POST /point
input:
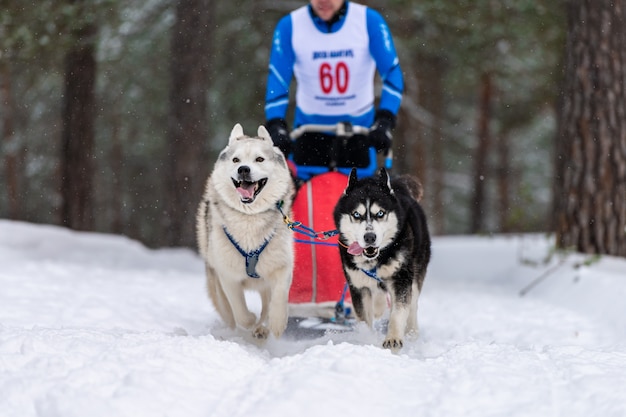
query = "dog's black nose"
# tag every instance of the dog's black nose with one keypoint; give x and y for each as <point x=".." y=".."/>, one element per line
<point x="244" y="170"/>
<point x="370" y="238"/>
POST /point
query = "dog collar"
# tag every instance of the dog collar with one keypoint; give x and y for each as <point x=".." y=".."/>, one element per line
<point x="252" y="257"/>
<point x="372" y="274"/>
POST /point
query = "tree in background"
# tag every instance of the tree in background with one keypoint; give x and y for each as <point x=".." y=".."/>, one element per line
<point x="482" y="152"/>
<point x="10" y="145"/>
<point x="140" y="166"/>
<point x="484" y="73"/>
<point x="29" y="52"/>
<point x="77" y="162"/>
<point x="187" y="122"/>
<point x="591" y="141"/>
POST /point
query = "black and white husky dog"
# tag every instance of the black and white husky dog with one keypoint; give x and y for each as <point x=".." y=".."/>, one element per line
<point x="385" y="249"/>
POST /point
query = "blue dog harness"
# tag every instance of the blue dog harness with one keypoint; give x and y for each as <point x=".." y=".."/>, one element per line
<point x="252" y="257"/>
<point x="372" y="274"/>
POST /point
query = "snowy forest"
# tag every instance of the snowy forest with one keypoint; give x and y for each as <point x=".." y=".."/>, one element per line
<point x="112" y="112"/>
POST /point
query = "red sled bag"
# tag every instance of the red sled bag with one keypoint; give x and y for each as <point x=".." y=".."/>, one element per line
<point x="318" y="275"/>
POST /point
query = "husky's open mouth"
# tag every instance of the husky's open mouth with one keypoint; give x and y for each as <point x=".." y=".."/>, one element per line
<point x="249" y="190"/>
<point x="370" y="252"/>
<point x="356" y="250"/>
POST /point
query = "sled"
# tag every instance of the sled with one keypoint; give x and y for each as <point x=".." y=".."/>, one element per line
<point x="317" y="275"/>
<point x="319" y="301"/>
<point x="313" y="327"/>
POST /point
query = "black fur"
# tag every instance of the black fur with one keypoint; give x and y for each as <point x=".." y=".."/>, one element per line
<point x="412" y="236"/>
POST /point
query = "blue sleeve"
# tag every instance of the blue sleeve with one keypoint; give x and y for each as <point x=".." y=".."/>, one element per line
<point x="280" y="73"/>
<point x="387" y="63"/>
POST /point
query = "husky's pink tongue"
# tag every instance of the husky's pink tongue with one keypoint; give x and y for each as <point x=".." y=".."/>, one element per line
<point x="246" y="192"/>
<point x="355" y="249"/>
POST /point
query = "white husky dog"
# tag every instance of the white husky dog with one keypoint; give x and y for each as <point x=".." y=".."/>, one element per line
<point x="241" y="234"/>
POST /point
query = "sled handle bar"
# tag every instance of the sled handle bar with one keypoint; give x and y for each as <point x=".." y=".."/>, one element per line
<point x="340" y="129"/>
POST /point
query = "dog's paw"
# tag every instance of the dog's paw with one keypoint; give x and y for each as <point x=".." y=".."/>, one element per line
<point x="261" y="333"/>
<point x="393" y="344"/>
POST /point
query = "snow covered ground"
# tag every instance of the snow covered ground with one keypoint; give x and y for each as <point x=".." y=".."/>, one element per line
<point x="98" y="325"/>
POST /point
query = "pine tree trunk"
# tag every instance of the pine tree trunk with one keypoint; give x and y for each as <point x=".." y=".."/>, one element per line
<point x="481" y="154"/>
<point x="116" y="159"/>
<point x="433" y="99"/>
<point x="10" y="145"/>
<point x="410" y="135"/>
<point x="416" y="135"/>
<point x="503" y="179"/>
<point x="188" y="125"/>
<point x="78" y="132"/>
<point x="591" y="142"/>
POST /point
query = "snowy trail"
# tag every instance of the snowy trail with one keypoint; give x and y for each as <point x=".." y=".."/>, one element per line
<point x="99" y="323"/>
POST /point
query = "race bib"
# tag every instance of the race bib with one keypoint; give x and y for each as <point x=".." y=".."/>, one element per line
<point x="334" y="71"/>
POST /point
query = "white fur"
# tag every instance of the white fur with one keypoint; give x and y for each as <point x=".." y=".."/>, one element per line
<point x="250" y="224"/>
<point x="354" y="231"/>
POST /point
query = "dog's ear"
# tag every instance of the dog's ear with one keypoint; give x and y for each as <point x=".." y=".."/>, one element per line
<point x="384" y="180"/>
<point x="235" y="134"/>
<point x="264" y="134"/>
<point x="351" y="181"/>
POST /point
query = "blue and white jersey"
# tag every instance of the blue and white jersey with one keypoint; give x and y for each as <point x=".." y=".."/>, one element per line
<point x="334" y="67"/>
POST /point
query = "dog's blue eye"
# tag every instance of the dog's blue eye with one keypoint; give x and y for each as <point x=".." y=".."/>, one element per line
<point x="380" y="214"/>
<point x="356" y="215"/>
<point x="260" y="159"/>
<point x="236" y="160"/>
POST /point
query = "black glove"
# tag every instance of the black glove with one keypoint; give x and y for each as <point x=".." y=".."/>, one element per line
<point x="279" y="132"/>
<point x="380" y="133"/>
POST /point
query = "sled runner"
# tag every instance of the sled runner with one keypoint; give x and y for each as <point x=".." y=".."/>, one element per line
<point x="300" y="328"/>
<point x="318" y="299"/>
